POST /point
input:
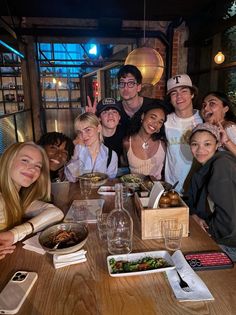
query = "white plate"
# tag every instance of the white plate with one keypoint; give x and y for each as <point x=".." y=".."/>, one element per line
<point x="110" y="190"/>
<point x="136" y="256"/>
<point x="106" y="190"/>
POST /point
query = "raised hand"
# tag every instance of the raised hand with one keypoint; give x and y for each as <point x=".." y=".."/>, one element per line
<point x="223" y="135"/>
<point x="91" y="107"/>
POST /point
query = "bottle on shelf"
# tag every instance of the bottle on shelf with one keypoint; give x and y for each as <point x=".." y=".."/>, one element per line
<point x="119" y="226"/>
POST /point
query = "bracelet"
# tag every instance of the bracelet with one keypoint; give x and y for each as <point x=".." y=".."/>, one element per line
<point x="32" y="226"/>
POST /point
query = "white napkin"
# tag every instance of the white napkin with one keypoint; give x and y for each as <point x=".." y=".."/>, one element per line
<point x="199" y="291"/>
<point x="69" y="259"/>
<point x="32" y="244"/>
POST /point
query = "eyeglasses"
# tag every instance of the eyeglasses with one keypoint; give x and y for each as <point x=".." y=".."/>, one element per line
<point x="130" y="84"/>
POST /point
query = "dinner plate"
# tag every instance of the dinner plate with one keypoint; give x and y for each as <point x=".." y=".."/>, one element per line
<point x="110" y="191"/>
<point x="106" y="190"/>
<point x="137" y="256"/>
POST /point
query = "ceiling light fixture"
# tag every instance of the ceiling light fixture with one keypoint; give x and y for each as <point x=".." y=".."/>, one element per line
<point x="147" y="59"/>
<point x="219" y="58"/>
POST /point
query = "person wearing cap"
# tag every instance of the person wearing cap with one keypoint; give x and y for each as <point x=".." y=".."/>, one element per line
<point x="132" y="103"/>
<point x="178" y="163"/>
<point x="108" y="111"/>
<point x="212" y="197"/>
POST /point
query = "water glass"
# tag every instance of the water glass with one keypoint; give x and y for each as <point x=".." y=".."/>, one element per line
<point x="173" y="231"/>
<point x="85" y="186"/>
<point x="102" y="225"/>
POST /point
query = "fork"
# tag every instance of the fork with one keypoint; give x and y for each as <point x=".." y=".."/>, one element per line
<point x="183" y="284"/>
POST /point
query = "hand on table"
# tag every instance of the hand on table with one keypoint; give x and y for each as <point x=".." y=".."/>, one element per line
<point x="91" y="107"/>
<point x="6" y="241"/>
<point x="201" y="222"/>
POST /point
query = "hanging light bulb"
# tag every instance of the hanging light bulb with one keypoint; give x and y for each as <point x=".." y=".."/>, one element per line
<point x="219" y="58"/>
<point x="146" y="59"/>
<point x="149" y="62"/>
<point x="54" y="80"/>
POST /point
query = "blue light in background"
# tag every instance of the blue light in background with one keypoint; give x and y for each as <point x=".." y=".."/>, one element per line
<point x="93" y="50"/>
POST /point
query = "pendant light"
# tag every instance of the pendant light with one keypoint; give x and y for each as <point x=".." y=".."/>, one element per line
<point x="219" y="58"/>
<point x="147" y="60"/>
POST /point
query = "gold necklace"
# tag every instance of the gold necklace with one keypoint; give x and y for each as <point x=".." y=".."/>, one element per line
<point x="145" y="144"/>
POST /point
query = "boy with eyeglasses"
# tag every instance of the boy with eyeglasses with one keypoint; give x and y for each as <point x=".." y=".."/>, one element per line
<point x="130" y="84"/>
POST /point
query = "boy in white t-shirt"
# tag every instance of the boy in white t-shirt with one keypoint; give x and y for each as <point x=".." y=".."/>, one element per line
<point x="178" y="126"/>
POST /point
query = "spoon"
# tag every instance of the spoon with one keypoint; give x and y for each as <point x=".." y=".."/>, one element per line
<point x="56" y="246"/>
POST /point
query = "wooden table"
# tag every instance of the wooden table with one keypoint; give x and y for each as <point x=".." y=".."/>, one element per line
<point x="87" y="288"/>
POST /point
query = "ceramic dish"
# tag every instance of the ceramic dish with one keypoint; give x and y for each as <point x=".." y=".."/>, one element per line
<point x="63" y="238"/>
<point x="110" y="191"/>
<point x="135" y="257"/>
<point x="132" y="180"/>
<point x="97" y="178"/>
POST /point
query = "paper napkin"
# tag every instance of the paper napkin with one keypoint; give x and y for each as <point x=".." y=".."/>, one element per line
<point x="69" y="259"/>
<point x="199" y="291"/>
<point x="33" y="245"/>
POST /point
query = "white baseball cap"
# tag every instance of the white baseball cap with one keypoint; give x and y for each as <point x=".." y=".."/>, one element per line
<point x="180" y="80"/>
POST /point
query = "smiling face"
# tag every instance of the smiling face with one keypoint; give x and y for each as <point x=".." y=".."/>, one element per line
<point x="57" y="155"/>
<point x="181" y="98"/>
<point x="213" y="109"/>
<point x="153" y="120"/>
<point x="128" y="87"/>
<point x="87" y="133"/>
<point x="203" y="146"/>
<point x="26" y="166"/>
<point x="110" y="118"/>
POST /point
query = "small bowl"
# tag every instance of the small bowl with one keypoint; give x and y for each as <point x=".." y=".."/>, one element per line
<point x="97" y="178"/>
<point x="78" y="238"/>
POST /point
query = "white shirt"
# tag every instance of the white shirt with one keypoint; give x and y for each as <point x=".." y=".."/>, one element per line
<point x="178" y="156"/>
<point x="82" y="163"/>
<point x="40" y="214"/>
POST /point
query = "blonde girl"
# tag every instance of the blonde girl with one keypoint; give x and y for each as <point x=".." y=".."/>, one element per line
<point x="91" y="154"/>
<point x="24" y="190"/>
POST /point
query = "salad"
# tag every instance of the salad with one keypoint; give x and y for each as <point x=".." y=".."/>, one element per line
<point x="146" y="263"/>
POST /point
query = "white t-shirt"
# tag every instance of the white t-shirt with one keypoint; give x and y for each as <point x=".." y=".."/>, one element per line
<point x="178" y="156"/>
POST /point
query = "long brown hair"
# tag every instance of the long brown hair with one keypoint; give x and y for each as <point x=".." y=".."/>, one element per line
<point x="15" y="203"/>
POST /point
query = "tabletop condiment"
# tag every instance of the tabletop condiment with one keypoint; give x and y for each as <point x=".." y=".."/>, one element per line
<point x="174" y="198"/>
<point x="165" y="201"/>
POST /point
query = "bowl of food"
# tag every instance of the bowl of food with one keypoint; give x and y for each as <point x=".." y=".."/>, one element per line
<point x="97" y="179"/>
<point x="64" y="238"/>
<point x="132" y="180"/>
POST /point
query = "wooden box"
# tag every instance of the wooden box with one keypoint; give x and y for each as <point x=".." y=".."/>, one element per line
<point x="152" y="219"/>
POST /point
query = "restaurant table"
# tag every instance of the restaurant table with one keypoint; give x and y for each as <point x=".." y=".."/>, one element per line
<point x="87" y="288"/>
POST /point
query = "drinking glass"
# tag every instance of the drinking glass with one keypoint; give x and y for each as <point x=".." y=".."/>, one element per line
<point x="85" y="186"/>
<point x="102" y="225"/>
<point x="173" y="231"/>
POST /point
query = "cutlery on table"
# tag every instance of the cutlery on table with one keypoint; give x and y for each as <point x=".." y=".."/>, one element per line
<point x="183" y="284"/>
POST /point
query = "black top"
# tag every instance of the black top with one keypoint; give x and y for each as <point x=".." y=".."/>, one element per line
<point x="126" y="119"/>
<point x="115" y="142"/>
<point x="216" y="179"/>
